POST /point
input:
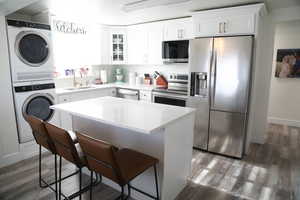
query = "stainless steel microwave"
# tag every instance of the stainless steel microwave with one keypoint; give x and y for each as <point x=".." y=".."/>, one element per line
<point x="175" y="51"/>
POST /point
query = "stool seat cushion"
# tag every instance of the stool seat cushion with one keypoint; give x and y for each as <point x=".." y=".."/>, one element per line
<point x="132" y="163"/>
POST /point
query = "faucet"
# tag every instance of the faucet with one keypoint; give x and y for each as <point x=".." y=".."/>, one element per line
<point x="75" y="83"/>
<point x="83" y="74"/>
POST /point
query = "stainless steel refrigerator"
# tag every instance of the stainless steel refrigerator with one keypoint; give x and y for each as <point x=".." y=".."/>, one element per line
<point x="219" y="88"/>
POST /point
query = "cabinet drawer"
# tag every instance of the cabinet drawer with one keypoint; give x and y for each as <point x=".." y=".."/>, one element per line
<point x="145" y="95"/>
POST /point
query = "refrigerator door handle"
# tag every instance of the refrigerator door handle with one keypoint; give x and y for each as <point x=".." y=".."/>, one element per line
<point x="213" y="79"/>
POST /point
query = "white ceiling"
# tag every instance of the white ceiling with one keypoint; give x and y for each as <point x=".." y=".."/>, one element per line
<point x="111" y="12"/>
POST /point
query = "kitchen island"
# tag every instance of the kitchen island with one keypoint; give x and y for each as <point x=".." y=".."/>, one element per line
<point x="161" y="131"/>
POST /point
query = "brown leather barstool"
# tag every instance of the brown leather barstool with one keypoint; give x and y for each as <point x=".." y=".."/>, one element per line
<point x="43" y="139"/>
<point x="65" y="148"/>
<point x="120" y="166"/>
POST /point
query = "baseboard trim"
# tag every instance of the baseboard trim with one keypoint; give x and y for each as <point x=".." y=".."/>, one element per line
<point x="26" y="150"/>
<point x="287" y="122"/>
<point x="10" y="159"/>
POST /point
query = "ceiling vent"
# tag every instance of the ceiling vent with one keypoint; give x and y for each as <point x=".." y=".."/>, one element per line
<point x="142" y="4"/>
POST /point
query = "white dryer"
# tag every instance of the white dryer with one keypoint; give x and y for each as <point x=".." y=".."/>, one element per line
<point x="34" y="98"/>
<point x="30" y="46"/>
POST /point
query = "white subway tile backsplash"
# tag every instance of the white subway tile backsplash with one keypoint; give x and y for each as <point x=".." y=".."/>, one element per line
<point x="139" y="69"/>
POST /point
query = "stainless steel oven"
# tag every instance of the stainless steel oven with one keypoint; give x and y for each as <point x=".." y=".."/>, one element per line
<point x="176" y="94"/>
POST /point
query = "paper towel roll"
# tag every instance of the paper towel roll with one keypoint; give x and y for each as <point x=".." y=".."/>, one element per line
<point x="132" y="76"/>
<point x="103" y="75"/>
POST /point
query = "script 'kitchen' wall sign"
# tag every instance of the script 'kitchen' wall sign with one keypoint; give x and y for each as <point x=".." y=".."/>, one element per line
<point x="68" y="27"/>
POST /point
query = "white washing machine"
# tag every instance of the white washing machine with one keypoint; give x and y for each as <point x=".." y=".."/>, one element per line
<point x="30" y="46"/>
<point x="34" y="98"/>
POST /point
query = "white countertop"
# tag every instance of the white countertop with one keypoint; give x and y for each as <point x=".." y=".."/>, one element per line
<point x="61" y="91"/>
<point x="144" y="117"/>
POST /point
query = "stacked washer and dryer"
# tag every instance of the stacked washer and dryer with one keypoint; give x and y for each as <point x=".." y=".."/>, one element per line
<point x="32" y="69"/>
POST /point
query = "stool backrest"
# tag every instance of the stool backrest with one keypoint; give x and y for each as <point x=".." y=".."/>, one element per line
<point x="63" y="143"/>
<point x="40" y="133"/>
<point x="100" y="157"/>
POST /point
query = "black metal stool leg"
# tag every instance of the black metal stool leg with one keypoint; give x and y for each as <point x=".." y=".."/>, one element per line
<point x="40" y="166"/>
<point x="91" y="185"/>
<point x="80" y="182"/>
<point x="122" y="193"/>
<point x="100" y="178"/>
<point x="129" y="190"/>
<point x="59" y="178"/>
<point x="156" y="182"/>
<point x="55" y="163"/>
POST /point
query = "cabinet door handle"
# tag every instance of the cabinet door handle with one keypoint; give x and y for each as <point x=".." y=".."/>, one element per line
<point x="224" y="27"/>
<point x="220" y="28"/>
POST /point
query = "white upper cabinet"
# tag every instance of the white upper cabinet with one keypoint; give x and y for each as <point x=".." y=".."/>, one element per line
<point x="145" y="43"/>
<point x="118" y="45"/>
<point x="113" y="45"/>
<point x="178" y="29"/>
<point x="227" y="21"/>
<point x="241" y="24"/>
<point x="137" y="38"/>
<point x="155" y="38"/>
<point x="206" y="27"/>
<point x="105" y="45"/>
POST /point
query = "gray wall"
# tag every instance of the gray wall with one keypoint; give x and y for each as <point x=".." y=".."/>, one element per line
<point x="9" y="146"/>
<point x="284" y="93"/>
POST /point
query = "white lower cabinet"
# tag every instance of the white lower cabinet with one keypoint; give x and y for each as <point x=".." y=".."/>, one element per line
<point x="145" y="95"/>
<point x="66" y="119"/>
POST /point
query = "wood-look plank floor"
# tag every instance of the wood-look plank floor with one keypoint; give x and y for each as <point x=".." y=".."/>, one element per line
<point x="270" y="172"/>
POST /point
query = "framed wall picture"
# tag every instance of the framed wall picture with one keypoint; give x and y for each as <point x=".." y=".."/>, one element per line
<point x="288" y="63"/>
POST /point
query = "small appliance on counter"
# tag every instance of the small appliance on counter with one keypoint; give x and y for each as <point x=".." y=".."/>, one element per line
<point x="161" y="82"/>
<point x="119" y="75"/>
